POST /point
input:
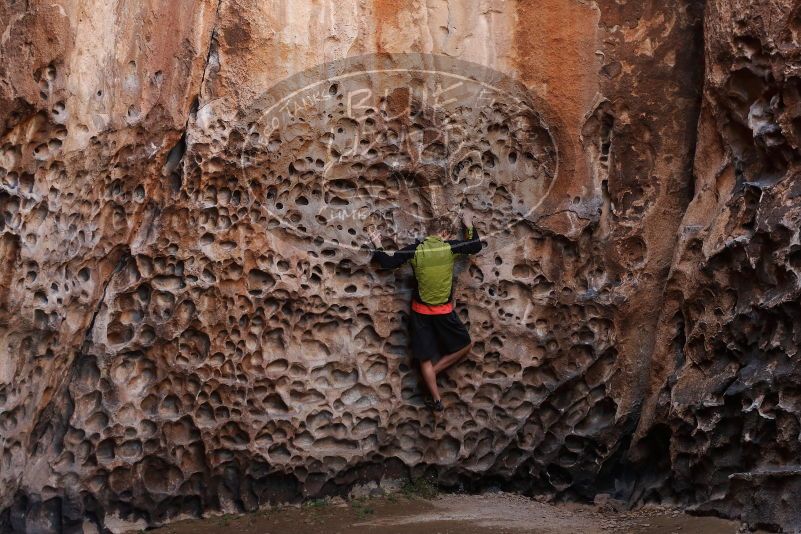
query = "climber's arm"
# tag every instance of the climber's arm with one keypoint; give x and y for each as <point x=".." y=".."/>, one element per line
<point x="395" y="260"/>
<point x="472" y="243"/>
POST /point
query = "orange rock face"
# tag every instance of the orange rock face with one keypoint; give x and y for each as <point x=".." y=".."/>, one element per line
<point x="189" y="319"/>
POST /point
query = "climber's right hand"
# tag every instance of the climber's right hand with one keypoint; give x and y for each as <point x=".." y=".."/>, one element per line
<point x="375" y="237"/>
<point x="467" y="219"/>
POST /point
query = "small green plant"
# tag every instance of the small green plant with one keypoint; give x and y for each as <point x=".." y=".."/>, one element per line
<point x="420" y="487"/>
<point x="364" y="511"/>
<point x="224" y="519"/>
<point x="361" y="508"/>
<point x="315" y="503"/>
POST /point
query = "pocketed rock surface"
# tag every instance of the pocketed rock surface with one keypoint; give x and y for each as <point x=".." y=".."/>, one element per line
<point x="189" y="320"/>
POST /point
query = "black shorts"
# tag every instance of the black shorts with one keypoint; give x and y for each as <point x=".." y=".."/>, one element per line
<point x="433" y="336"/>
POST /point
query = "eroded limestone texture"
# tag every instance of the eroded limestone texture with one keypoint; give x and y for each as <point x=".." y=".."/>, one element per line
<point x="189" y="320"/>
<point x="724" y="383"/>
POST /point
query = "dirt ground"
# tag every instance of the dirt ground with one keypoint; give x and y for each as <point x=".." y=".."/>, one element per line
<point x="493" y="513"/>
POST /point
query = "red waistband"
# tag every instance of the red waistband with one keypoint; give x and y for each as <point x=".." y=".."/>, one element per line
<point x="425" y="309"/>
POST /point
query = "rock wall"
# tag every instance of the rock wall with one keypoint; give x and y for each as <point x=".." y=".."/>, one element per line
<point x="724" y="376"/>
<point x="189" y="319"/>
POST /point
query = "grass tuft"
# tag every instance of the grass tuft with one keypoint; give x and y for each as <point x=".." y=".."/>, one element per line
<point x="315" y="503"/>
<point x="362" y="508"/>
<point x="423" y="488"/>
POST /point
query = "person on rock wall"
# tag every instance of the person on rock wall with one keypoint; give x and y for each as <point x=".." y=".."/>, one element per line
<point x="439" y="339"/>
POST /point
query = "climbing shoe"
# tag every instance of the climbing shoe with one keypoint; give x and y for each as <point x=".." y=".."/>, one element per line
<point x="437" y="406"/>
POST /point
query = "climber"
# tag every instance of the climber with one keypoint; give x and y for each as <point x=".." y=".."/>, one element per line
<point x="434" y="326"/>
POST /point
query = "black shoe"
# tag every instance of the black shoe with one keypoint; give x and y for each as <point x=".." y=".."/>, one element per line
<point x="436" y="406"/>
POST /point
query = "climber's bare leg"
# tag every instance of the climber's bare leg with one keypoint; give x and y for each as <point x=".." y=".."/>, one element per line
<point x="450" y="359"/>
<point x="430" y="378"/>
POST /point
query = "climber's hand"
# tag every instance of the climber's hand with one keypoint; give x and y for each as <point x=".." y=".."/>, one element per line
<point x="375" y="237"/>
<point x="467" y="219"/>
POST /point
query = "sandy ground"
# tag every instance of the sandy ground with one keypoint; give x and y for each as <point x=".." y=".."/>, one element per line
<point x="495" y="513"/>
